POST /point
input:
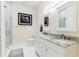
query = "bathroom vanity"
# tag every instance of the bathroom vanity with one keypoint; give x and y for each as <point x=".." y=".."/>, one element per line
<point x="48" y="46"/>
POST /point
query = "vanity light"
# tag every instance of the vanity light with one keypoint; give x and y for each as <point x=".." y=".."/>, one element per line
<point x="52" y="6"/>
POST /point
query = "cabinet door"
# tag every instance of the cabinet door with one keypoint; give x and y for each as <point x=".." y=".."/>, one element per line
<point x="51" y="50"/>
<point x="43" y="46"/>
<point x="55" y="50"/>
<point x="78" y="48"/>
<point x="36" y="42"/>
<point x="40" y="46"/>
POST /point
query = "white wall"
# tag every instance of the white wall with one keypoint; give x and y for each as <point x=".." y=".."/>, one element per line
<point x="0" y="28"/>
<point x="40" y="13"/>
<point x="23" y="32"/>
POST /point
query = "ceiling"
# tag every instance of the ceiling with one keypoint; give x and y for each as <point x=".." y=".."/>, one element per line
<point x="28" y="3"/>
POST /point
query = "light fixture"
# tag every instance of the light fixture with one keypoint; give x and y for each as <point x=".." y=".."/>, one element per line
<point x="53" y="5"/>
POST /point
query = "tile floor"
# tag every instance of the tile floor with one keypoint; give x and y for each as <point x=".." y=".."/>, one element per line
<point x="28" y="49"/>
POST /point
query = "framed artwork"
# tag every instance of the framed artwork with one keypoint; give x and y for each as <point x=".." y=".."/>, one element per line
<point x="46" y="21"/>
<point x="24" y="19"/>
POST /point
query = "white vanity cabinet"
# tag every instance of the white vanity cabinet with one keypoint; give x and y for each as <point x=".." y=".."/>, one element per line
<point x="70" y="51"/>
<point x="40" y="46"/>
<point x="78" y="47"/>
<point x="45" y="48"/>
<point x="68" y="17"/>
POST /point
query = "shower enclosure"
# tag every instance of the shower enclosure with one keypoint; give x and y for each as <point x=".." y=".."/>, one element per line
<point x="8" y="23"/>
<point x="6" y="26"/>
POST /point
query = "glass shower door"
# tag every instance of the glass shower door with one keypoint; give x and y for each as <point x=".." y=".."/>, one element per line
<point x="8" y="23"/>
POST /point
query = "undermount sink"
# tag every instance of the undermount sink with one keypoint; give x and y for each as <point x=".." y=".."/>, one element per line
<point x="62" y="42"/>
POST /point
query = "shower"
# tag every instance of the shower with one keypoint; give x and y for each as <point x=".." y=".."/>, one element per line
<point x="8" y="23"/>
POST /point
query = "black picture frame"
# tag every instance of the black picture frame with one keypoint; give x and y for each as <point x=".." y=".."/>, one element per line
<point x="46" y="21"/>
<point x="24" y="19"/>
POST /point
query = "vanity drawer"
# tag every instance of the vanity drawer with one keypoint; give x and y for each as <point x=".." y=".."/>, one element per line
<point x="57" y="48"/>
<point x="50" y="50"/>
<point x="53" y="53"/>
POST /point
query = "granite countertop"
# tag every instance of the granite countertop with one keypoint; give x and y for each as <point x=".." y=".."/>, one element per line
<point x="52" y="39"/>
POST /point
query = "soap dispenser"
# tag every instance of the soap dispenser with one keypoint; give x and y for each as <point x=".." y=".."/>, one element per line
<point x="41" y="28"/>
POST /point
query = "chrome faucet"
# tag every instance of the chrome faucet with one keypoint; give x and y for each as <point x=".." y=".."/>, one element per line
<point x="62" y="36"/>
